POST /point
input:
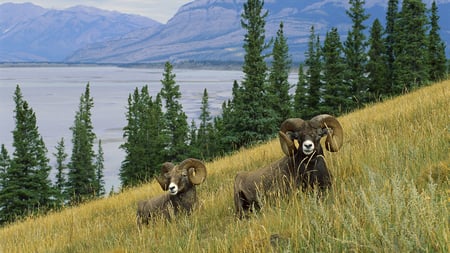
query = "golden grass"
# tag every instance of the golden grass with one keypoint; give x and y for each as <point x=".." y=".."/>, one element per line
<point x="390" y="194"/>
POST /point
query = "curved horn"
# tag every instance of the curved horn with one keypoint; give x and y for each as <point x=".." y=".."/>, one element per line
<point x="196" y="169"/>
<point x="335" y="137"/>
<point x="162" y="179"/>
<point x="287" y="135"/>
<point x="292" y="125"/>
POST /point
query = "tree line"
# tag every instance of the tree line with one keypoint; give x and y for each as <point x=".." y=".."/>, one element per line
<point x="335" y="78"/>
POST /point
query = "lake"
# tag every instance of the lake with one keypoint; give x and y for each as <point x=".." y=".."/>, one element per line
<point x="54" y="94"/>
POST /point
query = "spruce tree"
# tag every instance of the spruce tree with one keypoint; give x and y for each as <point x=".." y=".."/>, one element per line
<point x="145" y="138"/>
<point x="410" y="49"/>
<point x="355" y="53"/>
<point x="279" y="85"/>
<point x="436" y="48"/>
<point x="335" y="101"/>
<point x="81" y="168"/>
<point x="377" y="65"/>
<point x="26" y="185"/>
<point x="391" y="19"/>
<point x="5" y="162"/>
<point x="177" y="127"/>
<point x="205" y="138"/>
<point x="254" y="118"/>
<point x="99" y="168"/>
<point x="314" y="75"/>
<point x="226" y="123"/>
<point x="301" y="95"/>
<point x="61" y="167"/>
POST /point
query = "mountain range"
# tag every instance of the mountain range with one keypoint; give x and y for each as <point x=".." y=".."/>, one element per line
<point x="201" y="31"/>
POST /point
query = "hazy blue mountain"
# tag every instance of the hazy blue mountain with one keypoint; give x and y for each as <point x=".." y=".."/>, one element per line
<point x="202" y="30"/>
<point x="210" y="30"/>
<point x="31" y="33"/>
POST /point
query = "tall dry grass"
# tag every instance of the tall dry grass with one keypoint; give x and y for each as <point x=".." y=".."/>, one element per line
<point x="390" y="194"/>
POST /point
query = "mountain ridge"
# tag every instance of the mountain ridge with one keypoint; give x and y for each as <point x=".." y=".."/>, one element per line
<point x="200" y="31"/>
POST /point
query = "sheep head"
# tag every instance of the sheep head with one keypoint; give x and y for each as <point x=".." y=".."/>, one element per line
<point x="178" y="178"/>
<point x="309" y="133"/>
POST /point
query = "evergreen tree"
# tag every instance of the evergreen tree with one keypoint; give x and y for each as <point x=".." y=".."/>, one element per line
<point x="410" y="49"/>
<point x="391" y="19"/>
<point x="81" y="173"/>
<point x="5" y="162"/>
<point x="335" y="101"/>
<point x="176" y="120"/>
<point x="301" y="95"/>
<point x="254" y="119"/>
<point x="61" y="166"/>
<point x="193" y="141"/>
<point x="314" y="75"/>
<point x="279" y="85"/>
<point x="225" y="124"/>
<point x="99" y="168"/>
<point x="355" y="52"/>
<point x="377" y="64"/>
<point x="205" y="138"/>
<point x="436" y="48"/>
<point x="26" y="185"/>
<point x="145" y="138"/>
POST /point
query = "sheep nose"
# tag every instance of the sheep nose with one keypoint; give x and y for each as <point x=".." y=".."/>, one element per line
<point x="308" y="145"/>
<point x="173" y="189"/>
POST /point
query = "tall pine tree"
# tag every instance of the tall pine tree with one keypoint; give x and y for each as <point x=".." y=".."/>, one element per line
<point x="355" y="53"/>
<point x="145" y="139"/>
<point x="301" y="95"/>
<point x="314" y="75"/>
<point x="254" y="118"/>
<point x="436" y="48"/>
<point x="335" y="101"/>
<point x="61" y="166"/>
<point x="99" y="171"/>
<point x="177" y="128"/>
<point x="81" y="168"/>
<point x="279" y="86"/>
<point x="26" y="185"/>
<point x="5" y="162"/>
<point x="391" y="19"/>
<point x="410" y="49"/>
<point x="205" y="136"/>
<point x="377" y="65"/>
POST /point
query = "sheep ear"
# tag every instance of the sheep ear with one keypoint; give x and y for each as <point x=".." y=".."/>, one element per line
<point x="162" y="179"/>
<point x="287" y="144"/>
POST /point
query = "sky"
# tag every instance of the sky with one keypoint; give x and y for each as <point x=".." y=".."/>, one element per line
<point x="159" y="10"/>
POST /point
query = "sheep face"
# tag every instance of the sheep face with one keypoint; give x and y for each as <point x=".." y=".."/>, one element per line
<point x="309" y="137"/>
<point x="180" y="178"/>
<point x="309" y="133"/>
<point x="179" y="181"/>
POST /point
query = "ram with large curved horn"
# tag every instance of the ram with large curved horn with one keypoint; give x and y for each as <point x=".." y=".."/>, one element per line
<point x="179" y="181"/>
<point x="302" y="167"/>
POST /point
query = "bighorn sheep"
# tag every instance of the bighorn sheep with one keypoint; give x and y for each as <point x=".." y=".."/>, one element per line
<point x="302" y="167"/>
<point x="180" y="182"/>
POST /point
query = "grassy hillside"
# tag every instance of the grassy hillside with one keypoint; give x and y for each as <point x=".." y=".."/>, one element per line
<point x="390" y="194"/>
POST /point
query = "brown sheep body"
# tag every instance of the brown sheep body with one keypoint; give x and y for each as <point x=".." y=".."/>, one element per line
<point x="180" y="182"/>
<point x="302" y="167"/>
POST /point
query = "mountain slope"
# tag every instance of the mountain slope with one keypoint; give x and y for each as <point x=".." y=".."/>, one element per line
<point x="381" y="199"/>
<point x="51" y="35"/>
<point x="202" y="30"/>
<point x="210" y="30"/>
